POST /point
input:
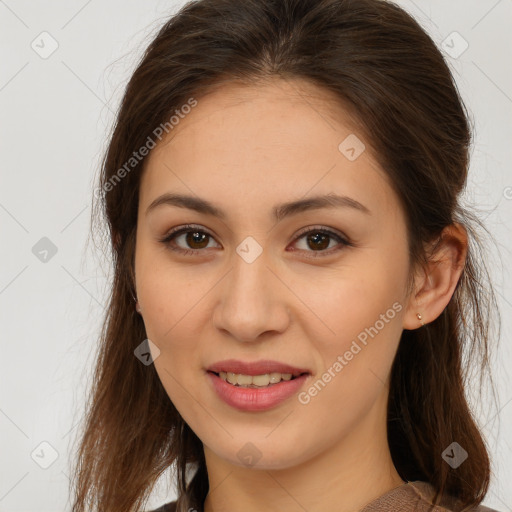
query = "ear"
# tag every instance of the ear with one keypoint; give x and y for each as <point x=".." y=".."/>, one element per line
<point x="435" y="284"/>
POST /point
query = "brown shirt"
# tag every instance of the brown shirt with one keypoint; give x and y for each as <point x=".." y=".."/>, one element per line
<point x="409" y="497"/>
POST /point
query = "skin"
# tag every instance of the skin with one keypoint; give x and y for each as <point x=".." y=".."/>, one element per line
<point x="247" y="149"/>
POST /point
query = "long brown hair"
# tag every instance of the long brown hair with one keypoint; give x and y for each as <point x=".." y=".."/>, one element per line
<point x="382" y="65"/>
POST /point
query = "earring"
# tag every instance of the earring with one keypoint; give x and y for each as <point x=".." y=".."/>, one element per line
<point x="137" y="307"/>
<point x="420" y="318"/>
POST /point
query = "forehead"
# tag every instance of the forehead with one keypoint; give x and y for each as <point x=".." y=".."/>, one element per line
<point x="260" y="141"/>
<point x="270" y="111"/>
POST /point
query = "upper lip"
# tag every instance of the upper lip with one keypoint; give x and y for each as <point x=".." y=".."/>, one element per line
<point x="255" y="367"/>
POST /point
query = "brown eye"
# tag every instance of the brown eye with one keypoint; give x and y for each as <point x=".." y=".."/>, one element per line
<point x="317" y="241"/>
<point x="193" y="239"/>
<point x="196" y="237"/>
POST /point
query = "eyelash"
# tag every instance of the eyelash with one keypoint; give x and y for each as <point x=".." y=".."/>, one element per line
<point x="196" y="229"/>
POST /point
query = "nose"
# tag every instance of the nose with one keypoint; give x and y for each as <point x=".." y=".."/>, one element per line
<point x="251" y="301"/>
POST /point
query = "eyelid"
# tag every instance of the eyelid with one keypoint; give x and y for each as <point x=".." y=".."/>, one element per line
<point x="184" y="229"/>
<point x="343" y="241"/>
<point x="179" y="230"/>
<point x="323" y="229"/>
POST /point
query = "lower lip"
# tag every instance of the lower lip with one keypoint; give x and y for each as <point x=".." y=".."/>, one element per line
<point x="254" y="399"/>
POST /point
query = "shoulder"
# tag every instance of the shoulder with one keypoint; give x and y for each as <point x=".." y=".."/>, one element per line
<point x="168" y="507"/>
<point x="417" y="496"/>
<point x="425" y="493"/>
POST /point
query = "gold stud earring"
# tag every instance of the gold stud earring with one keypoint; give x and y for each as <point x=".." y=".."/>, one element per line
<point x="420" y="318"/>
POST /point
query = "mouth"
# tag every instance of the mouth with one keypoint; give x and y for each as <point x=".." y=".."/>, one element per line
<point x="265" y="380"/>
<point x="258" y="392"/>
<point x="256" y="374"/>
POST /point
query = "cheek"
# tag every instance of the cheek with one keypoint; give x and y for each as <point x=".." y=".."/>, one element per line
<point x="355" y="362"/>
<point x="367" y="332"/>
<point x="175" y="313"/>
<point x="168" y="298"/>
<point x="341" y="304"/>
<point x="360" y="320"/>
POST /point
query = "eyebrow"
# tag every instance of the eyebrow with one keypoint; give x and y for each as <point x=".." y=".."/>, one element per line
<point x="279" y="212"/>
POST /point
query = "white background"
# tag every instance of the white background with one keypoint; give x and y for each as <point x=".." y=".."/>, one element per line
<point x="55" y="114"/>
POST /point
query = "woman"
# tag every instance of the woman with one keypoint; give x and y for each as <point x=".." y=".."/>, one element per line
<point x="295" y="278"/>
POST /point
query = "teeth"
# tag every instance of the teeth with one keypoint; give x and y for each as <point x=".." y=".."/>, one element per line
<point x="246" y="381"/>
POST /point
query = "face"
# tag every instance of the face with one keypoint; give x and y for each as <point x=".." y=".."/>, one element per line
<point x="321" y="289"/>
